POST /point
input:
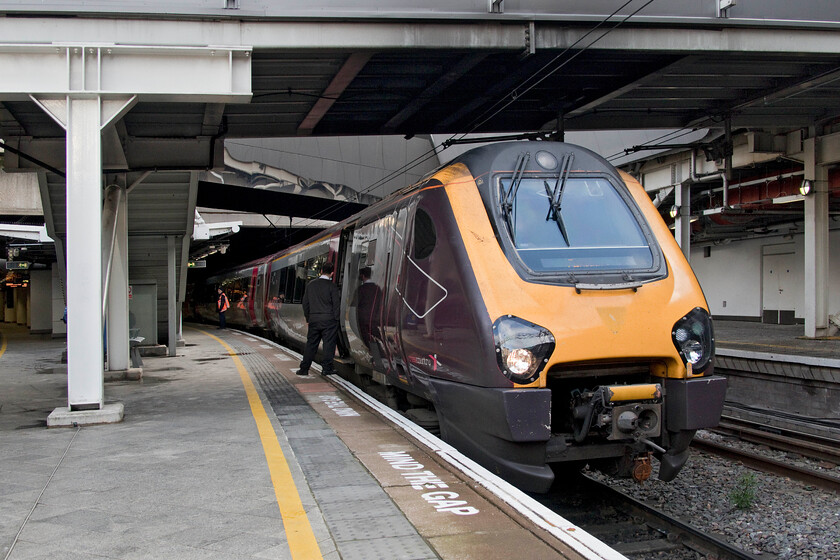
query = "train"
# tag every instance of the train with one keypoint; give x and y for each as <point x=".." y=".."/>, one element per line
<point x="525" y="300"/>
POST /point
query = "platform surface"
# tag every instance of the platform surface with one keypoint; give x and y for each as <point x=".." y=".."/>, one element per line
<point x="773" y="339"/>
<point x="225" y="454"/>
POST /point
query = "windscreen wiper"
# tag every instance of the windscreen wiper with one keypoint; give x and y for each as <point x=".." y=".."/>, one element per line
<point x="510" y="194"/>
<point x="556" y="196"/>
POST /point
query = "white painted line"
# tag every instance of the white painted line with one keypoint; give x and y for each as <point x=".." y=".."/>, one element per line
<point x="264" y="346"/>
<point x="576" y="538"/>
<point x="283" y="357"/>
<point x="804" y="360"/>
<point x="337" y="405"/>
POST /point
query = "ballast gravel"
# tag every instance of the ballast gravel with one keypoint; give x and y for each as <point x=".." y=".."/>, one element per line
<point x="787" y="519"/>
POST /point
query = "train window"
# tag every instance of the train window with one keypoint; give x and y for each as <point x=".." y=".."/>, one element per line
<point x="591" y="228"/>
<point x="288" y="283"/>
<point x="280" y="290"/>
<point x="425" y="236"/>
<point x="274" y="289"/>
<point x="299" y="282"/>
<point x="315" y="265"/>
<point x="370" y="257"/>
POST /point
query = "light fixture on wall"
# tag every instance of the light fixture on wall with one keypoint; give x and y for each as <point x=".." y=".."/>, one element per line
<point x="806" y="188"/>
<point x="675" y="210"/>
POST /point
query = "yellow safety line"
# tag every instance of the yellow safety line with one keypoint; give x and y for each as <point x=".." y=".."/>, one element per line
<point x="301" y="539"/>
<point x="3" y="345"/>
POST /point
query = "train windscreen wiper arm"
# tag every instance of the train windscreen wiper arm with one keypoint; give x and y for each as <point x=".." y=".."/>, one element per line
<point x="510" y="194"/>
<point x="556" y="196"/>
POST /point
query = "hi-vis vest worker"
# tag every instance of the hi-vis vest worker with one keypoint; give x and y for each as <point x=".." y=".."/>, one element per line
<point x="223" y="304"/>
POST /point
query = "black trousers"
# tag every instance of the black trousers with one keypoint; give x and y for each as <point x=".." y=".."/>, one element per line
<point x="318" y="331"/>
<point x="222" y="320"/>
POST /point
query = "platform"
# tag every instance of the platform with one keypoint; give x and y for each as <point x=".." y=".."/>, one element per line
<point x="225" y="454"/>
<point x="779" y="378"/>
<point x="780" y="340"/>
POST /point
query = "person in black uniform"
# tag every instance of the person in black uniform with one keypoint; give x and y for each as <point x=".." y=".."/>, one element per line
<point x="321" y="308"/>
<point x="368" y="298"/>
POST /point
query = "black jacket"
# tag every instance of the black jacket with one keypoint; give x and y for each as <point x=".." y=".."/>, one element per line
<point x="321" y="301"/>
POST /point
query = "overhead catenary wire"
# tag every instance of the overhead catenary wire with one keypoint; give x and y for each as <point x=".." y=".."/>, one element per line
<point x="674" y="134"/>
<point x="506" y="100"/>
<point x="515" y="93"/>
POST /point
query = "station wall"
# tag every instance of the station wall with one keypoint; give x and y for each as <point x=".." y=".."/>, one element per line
<point x="751" y="279"/>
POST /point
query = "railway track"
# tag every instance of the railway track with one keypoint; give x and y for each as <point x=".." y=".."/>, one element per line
<point x="634" y="528"/>
<point x="784" y="439"/>
<point x="788" y="440"/>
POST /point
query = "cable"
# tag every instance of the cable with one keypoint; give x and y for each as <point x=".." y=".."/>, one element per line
<point x="513" y="94"/>
<point x="406" y="167"/>
<point x="660" y="138"/>
<point x="38" y="499"/>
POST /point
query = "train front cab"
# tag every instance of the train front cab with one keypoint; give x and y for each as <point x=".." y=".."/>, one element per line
<point x="600" y="327"/>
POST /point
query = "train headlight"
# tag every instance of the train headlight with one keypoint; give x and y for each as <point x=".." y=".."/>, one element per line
<point x="519" y="361"/>
<point x="694" y="339"/>
<point x="522" y="348"/>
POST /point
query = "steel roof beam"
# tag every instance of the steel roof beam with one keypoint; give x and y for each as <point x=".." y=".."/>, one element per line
<point x="766" y="99"/>
<point x="457" y="71"/>
<point x="348" y="72"/>
<point x="644" y="80"/>
<point x="768" y="12"/>
<point x="183" y="74"/>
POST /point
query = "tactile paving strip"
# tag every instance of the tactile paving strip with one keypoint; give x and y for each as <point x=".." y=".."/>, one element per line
<point x="345" y="491"/>
<point x="394" y="548"/>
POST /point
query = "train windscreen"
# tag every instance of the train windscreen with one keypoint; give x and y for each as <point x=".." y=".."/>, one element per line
<point x="584" y="225"/>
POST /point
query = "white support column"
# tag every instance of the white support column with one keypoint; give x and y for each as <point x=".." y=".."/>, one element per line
<point x="171" y="296"/>
<point x="21" y="296"/>
<point x="59" y="329"/>
<point x="816" y="244"/>
<point x="682" y="223"/>
<point x="181" y="341"/>
<point x="85" y="88"/>
<point x="40" y="298"/>
<point x="118" y="333"/>
<point x="85" y="365"/>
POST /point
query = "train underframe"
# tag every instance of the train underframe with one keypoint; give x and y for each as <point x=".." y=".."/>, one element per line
<point x="520" y="434"/>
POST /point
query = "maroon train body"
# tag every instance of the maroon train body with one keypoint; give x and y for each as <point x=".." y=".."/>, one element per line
<point x="536" y="308"/>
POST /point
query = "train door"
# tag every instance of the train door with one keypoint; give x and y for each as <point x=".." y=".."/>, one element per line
<point x="258" y="297"/>
<point x="251" y="294"/>
<point x="394" y="301"/>
<point x="345" y="283"/>
<point x="365" y="282"/>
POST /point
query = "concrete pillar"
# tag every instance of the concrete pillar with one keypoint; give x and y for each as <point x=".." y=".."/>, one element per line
<point x="816" y="244"/>
<point x="682" y="224"/>
<point x="59" y="329"/>
<point x="181" y="342"/>
<point x="85" y="361"/>
<point x="171" y="297"/>
<point x="40" y="292"/>
<point x="117" y="323"/>
<point x="20" y="305"/>
<point x="9" y="310"/>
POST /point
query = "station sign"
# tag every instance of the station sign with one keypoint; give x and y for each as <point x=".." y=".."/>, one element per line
<point x="18" y="265"/>
<point x="197" y="264"/>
